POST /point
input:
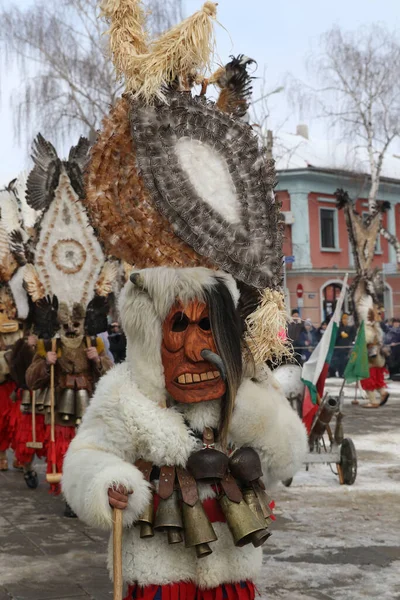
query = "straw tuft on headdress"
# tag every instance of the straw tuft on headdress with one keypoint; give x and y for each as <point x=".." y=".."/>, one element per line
<point x="128" y="37"/>
<point x="185" y="49"/>
<point x="266" y="327"/>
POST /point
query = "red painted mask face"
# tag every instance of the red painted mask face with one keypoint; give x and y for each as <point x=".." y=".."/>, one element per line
<point x="188" y="377"/>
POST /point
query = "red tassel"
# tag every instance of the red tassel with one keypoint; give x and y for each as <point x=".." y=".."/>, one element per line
<point x="272" y="506"/>
<point x="57" y="450"/>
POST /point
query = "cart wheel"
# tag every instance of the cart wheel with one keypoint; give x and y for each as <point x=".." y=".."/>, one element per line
<point x="348" y="461"/>
<point x="288" y="482"/>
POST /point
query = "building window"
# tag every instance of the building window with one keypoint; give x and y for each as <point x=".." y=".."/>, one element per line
<point x="328" y="220"/>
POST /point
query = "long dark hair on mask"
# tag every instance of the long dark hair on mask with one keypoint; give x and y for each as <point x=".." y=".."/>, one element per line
<point x="226" y="329"/>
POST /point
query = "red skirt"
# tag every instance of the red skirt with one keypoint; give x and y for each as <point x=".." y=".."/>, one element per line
<point x="244" y="590"/>
<point x="8" y="415"/>
<point x="24" y="435"/>
<point x="376" y="379"/>
<point x="57" y="451"/>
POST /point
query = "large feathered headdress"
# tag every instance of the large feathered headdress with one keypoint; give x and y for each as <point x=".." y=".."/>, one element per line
<point x="178" y="180"/>
<point x="68" y="260"/>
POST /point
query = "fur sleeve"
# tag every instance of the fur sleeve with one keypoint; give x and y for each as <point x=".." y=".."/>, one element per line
<point x="98" y="458"/>
<point x="264" y="419"/>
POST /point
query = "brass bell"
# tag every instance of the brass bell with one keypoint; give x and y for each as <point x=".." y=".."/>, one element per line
<point x="169" y="519"/>
<point x="66" y="404"/>
<point x="243" y="524"/>
<point x="26" y="399"/>
<point x="264" y="503"/>
<point x="44" y="399"/>
<point x="199" y="532"/>
<point x="40" y="396"/>
<point x="82" y="402"/>
<point x="250" y="497"/>
<point x="146" y="521"/>
<point x="252" y="501"/>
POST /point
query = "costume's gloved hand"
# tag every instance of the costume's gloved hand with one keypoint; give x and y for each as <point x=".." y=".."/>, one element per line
<point x="118" y="497"/>
<point x="51" y="358"/>
<point x="92" y="354"/>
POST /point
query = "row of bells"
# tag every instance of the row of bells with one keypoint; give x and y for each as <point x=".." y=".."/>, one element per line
<point x="247" y="520"/>
<point x="70" y="404"/>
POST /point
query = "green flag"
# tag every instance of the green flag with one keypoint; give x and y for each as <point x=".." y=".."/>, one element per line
<point x="357" y="367"/>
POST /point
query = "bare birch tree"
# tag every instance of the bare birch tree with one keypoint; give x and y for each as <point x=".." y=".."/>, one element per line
<point x="360" y="73"/>
<point x="360" y="93"/>
<point x="67" y="79"/>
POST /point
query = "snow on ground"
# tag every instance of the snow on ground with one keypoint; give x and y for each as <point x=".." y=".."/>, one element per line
<point x="340" y="542"/>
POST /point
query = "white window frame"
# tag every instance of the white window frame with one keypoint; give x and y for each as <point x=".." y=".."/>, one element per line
<point x="335" y="229"/>
<point x="321" y="295"/>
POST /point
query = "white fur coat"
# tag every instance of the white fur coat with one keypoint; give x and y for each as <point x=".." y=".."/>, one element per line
<point x="126" y="421"/>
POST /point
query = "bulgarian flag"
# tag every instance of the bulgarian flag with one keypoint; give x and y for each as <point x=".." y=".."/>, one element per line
<point x="315" y="370"/>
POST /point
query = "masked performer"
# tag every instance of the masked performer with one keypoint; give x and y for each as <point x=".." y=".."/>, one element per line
<point x="77" y="367"/>
<point x="375" y="384"/>
<point x="30" y="436"/>
<point x="10" y="333"/>
<point x="181" y="417"/>
<point x="67" y="262"/>
<point x="186" y="432"/>
<point x="15" y="220"/>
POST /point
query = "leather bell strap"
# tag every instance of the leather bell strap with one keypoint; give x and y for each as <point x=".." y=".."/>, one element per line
<point x="188" y="485"/>
<point x="166" y="482"/>
<point x="145" y="467"/>
<point x="79" y="382"/>
<point x="231" y="488"/>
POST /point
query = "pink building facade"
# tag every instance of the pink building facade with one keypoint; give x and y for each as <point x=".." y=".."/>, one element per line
<point x="316" y="246"/>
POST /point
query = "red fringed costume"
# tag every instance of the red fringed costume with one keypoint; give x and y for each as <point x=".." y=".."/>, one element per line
<point x="23" y="435"/>
<point x="8" y="415"/>
<point x="75" y="376"/>
<point x="56" y="452"/>
<point x="376" y="379"/>
<point x="189" y="591"/>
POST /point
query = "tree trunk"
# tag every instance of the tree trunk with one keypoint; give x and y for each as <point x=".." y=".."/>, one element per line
<point x="392" y="240"/>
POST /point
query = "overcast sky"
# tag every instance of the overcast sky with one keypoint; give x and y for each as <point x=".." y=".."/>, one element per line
<point x="279" y="34"/>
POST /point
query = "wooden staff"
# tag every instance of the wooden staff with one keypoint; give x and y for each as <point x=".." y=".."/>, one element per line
<point x="117" y="553"/>
<point x="34" y="444"/>
<point x="53" y="477"/>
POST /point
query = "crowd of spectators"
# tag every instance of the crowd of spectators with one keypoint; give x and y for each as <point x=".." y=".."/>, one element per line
<point x="305" y="337"/>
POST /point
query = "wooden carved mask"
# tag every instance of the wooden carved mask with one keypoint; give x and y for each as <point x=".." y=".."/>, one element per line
<point x="188" y="377"/>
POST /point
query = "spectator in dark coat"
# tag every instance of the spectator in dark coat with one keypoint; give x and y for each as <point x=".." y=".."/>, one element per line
<point x="307" y="340"/>
<point x="344" y="340"/>
<point x="392" y="340"/>
<point x="295" y="328"/>
<point x="320" y="332"/>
